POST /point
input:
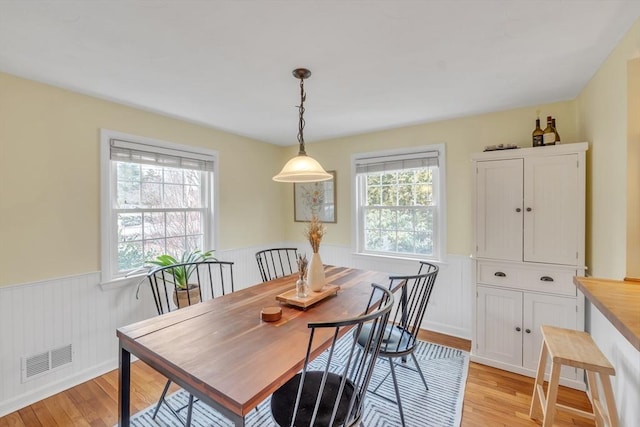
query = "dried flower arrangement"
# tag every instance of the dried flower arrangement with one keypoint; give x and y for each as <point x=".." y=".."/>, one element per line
<point x="314" y="232"/>
<point x="302" y="265"/>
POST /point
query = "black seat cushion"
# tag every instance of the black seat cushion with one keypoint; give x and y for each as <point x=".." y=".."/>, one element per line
<point x="394" y="340"/>
<point x="284" y="399"/>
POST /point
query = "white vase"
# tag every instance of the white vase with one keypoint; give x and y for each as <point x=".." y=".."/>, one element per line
<point x="315" y="273"/>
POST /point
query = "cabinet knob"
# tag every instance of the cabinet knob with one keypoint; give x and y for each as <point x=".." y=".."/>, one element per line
<point x="518" y="210"/>
<point x="518" y="328"/>
<point x="529" y="209"/>
<point x="546" y="279"/>
<point x="499" y="274"/>
<point x="528" y="331"/>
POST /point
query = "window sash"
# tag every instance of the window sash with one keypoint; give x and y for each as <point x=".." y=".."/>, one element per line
<point x="144" y="243"/>
<point x="398" y="230"/>
<point x="374" y="164"/>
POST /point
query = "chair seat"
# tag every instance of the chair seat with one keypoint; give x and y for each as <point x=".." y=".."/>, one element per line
<point x="283" y="401"/>
<point x="396" y="339"/>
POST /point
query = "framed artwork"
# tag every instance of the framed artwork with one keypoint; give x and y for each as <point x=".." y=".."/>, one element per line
<point x="317" y="198"/>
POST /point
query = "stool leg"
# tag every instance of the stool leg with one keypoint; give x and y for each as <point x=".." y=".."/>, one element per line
<point x="552" y="395"/>
<point x="595" y="397"/>
<point x="612" y="412"/>
<point x="535" y="410"/>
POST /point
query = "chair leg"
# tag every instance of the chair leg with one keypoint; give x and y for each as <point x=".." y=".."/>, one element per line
<point x="164" y="393"/>
<point x="395" y="386"/>
<point x="424" y="381"/>
<point x="173" y="411"/>
<point x="189" y="411"/>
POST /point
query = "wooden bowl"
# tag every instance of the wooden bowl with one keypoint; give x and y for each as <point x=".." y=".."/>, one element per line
<point x="271" y="314"/>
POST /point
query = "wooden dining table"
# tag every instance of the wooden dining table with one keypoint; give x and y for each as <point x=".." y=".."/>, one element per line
<point x="224" y="354"/>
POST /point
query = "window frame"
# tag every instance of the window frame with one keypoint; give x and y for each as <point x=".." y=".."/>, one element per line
<point x="108" y="238"/>
<point x="357" y="219"/>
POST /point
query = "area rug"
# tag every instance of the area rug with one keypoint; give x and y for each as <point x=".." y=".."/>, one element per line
<point x="445" y="369"/>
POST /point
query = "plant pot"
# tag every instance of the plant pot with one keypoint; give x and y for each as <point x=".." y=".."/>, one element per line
<point x="186" y="297"/>
<point x="315" y="273"/>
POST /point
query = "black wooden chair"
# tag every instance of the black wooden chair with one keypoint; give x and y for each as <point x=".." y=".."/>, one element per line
<point x="401" y="334"/>
<point x="207" y="280"/>
<point x="334" y="396"/>
<point x="277" y="262"/>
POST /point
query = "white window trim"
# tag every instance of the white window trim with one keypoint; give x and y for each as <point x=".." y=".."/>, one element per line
<point x="441" y="231"/>
<point x="106" y="192"/>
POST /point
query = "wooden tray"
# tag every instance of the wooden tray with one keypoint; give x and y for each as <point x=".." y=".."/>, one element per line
<point x="291" y="297"/>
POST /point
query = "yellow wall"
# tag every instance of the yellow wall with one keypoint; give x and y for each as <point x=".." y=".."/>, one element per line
<point x="50" y="178"/>
<point x="633" y="169"/>
<point x="462" y="138"/>
<point x="602" y="120"/>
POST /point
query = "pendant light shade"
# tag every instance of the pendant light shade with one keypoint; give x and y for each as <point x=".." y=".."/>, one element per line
<point x="302" y="168"/>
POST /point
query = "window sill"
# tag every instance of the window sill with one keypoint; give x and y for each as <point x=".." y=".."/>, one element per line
<point x="407" y="258"/>
<point x="121" y="282"/>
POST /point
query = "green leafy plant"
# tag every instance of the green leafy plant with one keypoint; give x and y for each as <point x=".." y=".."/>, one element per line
<point x="180" y="272"/>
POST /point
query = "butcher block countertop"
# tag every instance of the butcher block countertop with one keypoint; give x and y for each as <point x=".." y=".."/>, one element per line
<point x="618" y="300"/>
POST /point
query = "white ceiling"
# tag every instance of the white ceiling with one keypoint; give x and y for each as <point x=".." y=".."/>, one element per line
<point x="375" y="64"/>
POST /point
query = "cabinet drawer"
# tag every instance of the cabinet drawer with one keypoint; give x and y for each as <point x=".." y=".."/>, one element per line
<point x="499" y="274"/>
<point x="541" y="279"/>
<point x="550" y="281"/>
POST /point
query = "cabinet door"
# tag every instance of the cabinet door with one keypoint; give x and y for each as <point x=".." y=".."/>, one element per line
<point x="499" y="209"/>
<point x="551" y="197"/>
<point x="540" y="310"/>
<point x="499" y="315"/>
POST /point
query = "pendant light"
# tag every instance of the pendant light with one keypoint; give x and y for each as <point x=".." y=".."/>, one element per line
<point x="302" y="168"/>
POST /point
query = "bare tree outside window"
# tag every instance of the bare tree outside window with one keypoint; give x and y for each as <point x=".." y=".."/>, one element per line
<point x="159" y="212"/>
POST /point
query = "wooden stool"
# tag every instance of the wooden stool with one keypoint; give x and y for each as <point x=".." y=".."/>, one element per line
<point x="577" y="349"/>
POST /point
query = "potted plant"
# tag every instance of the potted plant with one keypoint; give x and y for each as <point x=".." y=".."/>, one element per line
<point x="184" y="293"/>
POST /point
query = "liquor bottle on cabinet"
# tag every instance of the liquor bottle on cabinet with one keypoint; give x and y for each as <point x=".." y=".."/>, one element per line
<point x="555" y="129"/>
<point x="549" y="134"/>
<point x="537" y="134"/>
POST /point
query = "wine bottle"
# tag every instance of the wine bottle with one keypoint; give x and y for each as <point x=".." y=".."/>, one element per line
<point x="555" y="129"/>
<point x="537" y="134"/>
<point x="548" y="134"/>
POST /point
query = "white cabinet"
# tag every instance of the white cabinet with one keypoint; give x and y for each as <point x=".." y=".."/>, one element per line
<point x="499" y="209"/>
<point x="553" y="209"/>
<point x="499" y="324"/>
<point x="508" y="325"/>
<point x="529" y="209"/>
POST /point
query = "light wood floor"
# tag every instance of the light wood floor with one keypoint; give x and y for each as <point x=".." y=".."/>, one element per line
<point x="492" y="398"/>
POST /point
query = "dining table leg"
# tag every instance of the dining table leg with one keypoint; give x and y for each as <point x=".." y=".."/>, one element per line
<point x="124" y="387"/>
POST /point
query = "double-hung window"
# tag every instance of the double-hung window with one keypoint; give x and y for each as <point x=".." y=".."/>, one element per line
<point x="399" y="202"/>
<point x="157" y="198"/>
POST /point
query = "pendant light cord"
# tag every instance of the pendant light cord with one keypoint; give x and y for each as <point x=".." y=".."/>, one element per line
<point x="303" y="97"/>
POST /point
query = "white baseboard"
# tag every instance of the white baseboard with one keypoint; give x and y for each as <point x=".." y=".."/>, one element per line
<point x="447" y="330"/>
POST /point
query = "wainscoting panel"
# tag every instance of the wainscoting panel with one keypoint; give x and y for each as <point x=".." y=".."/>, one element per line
<point x="449" y="309"/>
<point x="46" y="316"/>
<point x="37" y="318"/>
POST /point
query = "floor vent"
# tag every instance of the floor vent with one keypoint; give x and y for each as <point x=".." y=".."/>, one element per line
<point x="42" y="363"/>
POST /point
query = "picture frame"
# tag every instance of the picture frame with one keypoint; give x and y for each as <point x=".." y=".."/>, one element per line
<point x="317" y="198"/>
